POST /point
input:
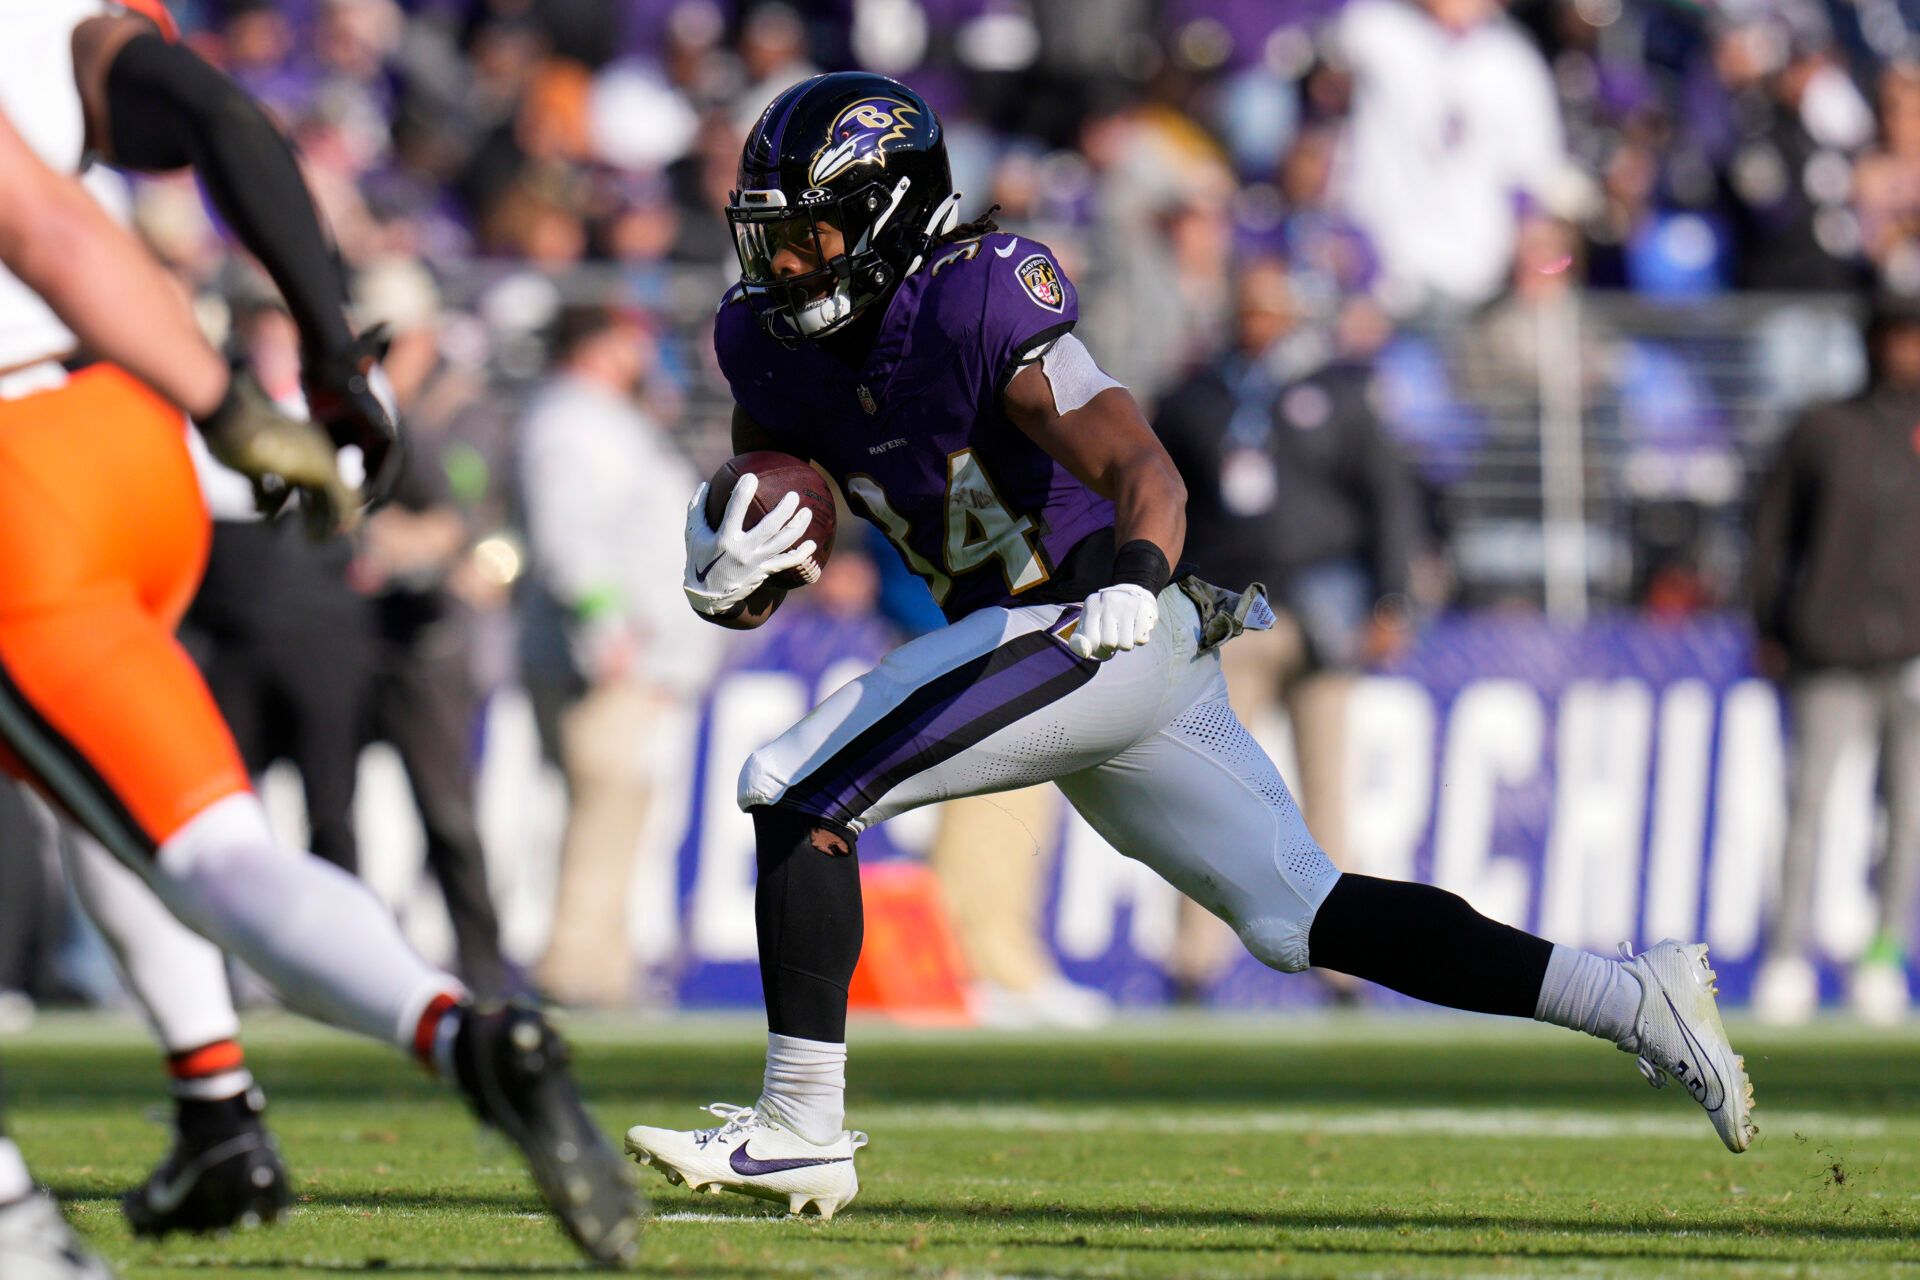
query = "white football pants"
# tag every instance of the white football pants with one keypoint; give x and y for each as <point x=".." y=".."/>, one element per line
<point x="1144" y="745"/>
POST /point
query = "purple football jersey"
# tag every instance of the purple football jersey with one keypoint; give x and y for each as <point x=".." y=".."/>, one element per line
<point x="916" y="438"/>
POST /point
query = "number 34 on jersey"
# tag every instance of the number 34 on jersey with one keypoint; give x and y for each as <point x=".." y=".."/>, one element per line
<point x="979" y="528"/>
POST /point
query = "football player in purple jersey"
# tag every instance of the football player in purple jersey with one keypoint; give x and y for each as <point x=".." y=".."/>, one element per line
<point x="931" y="369"/>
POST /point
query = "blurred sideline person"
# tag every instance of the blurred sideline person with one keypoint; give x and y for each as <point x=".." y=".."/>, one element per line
<point x="930" y="368"/>
<point x="1836" y="604"/>
<point x="412" y="561"/>
<point x="311" y="649"/>
<point x="993" y="857"/>
<point x="424" y="701"/>
<point x="1439" y="192"/>
<point x="1291" y="483"/>
<point x="102" y="537"/>
<point x="284" y="640"/>
<point x="607" y="648"/>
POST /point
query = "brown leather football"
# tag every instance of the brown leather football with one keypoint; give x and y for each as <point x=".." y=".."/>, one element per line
<point x="779" y="474"/>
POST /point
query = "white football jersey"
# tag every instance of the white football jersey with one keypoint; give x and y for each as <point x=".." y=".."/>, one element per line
<point x="40" y="98"/>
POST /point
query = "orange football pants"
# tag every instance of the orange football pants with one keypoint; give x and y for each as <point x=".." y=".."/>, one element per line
<point x="103" y="538"/>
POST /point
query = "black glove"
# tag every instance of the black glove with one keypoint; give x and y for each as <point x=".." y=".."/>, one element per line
<point x="349" y="395"/>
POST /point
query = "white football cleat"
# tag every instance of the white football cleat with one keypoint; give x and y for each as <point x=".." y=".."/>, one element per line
<point x="754" y="1156"/>
<point x="1678" y="1032"/>
<point x="37" y="1244"/>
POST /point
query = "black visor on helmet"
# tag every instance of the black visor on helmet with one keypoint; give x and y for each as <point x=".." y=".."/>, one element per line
<point x="811" y="266"/>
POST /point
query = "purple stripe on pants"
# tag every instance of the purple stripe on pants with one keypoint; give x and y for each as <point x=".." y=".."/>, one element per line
<point x="950" y="713"/>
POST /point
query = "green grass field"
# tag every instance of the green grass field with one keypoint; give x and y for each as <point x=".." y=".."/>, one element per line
<point x="1186" y="1148"/>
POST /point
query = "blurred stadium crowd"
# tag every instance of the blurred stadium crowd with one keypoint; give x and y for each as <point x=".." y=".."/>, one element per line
<point x="1435" y="175"/>
<point x="1555" y="277"/>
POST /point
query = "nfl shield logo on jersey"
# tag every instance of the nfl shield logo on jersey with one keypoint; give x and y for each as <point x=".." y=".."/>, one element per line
<point x="866" y="398"/>
<point x="1042" y="282"/>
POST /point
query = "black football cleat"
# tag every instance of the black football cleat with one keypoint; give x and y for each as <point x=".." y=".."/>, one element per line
<point x="224" y="1172"/>
<point x="513" y="1068"/>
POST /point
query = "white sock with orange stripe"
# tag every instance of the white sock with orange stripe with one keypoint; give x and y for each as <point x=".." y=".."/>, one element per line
<point x="316" y="934"/>
<point x="434" y="1032"/>
<point x="211" y="1072"/>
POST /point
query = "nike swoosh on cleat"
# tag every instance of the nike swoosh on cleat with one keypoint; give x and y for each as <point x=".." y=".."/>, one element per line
<point x="1703" y="1058"/>
<point x="742" y="1163"/>
<point x="1008" y="251"/>
<point x="164" y="1196"/>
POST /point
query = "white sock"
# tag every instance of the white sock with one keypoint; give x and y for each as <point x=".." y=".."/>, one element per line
<point x="315" y="933"/>
<point x="178" y="977"/>
<point x="15" y="1182"/>
<point x="805" y="1087"/>
<point x="1589" y="993"/>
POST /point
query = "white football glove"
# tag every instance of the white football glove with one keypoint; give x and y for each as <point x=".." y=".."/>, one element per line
<point x="728" y="564"/>
<point x="1115" y="619"/>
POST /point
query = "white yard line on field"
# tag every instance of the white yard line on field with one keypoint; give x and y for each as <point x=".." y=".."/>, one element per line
<point x="1499" y="1122"/>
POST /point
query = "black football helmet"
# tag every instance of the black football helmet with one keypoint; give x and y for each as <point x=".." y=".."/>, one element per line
<point x="854" y="152"/>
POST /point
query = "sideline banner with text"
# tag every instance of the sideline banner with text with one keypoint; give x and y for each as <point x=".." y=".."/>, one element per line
<point x="1620" y="781"/>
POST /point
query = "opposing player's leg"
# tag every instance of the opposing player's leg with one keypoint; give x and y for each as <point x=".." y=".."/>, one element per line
<point x="224" y="1169"/>
<point x="1200" y="803"/>
<point x="101" y="708"/>
<point x="331" y="950"/>
<point x="994" y="702"/>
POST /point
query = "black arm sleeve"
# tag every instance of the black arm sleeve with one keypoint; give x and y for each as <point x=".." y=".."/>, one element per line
<point x="168" y="108"/>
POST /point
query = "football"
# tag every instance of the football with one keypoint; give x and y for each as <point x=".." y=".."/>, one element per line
<point x="779" y="475"/>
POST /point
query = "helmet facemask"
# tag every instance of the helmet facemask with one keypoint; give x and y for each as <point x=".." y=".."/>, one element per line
<point x="861" y="223"/>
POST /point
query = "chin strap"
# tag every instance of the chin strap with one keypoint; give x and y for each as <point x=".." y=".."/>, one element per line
<point x="944" y="218"/>
<point x="874" y="228"/>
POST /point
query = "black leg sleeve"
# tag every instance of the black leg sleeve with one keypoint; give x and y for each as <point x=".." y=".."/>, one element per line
<point x="806" y="909"/>
<point x="1429" y="944"/>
